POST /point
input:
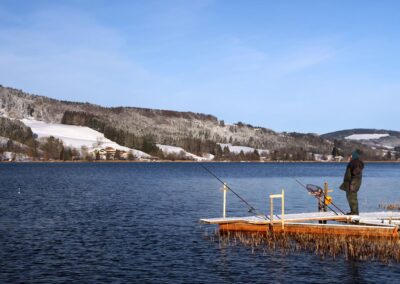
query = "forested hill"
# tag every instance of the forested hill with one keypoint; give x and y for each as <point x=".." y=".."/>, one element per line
<point x="386" y="140"/>
<point x="139" y="127"/>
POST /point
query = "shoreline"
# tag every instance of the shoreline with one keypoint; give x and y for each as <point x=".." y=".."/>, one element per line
<point x="189" y="161"/>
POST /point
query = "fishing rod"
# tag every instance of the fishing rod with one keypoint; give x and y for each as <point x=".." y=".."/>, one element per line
<point x="251" y="208"/>
<point x="323" y="194"/>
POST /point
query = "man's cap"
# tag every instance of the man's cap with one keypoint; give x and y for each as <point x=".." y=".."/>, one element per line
<point x="356" y="154"/>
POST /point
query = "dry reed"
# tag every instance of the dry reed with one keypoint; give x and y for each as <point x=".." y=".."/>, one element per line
<point x="350" y="247"/>
<point x="389" y="206"/>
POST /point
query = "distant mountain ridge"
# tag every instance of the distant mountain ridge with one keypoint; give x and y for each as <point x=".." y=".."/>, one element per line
<point x="374" y="138"/>
<point x="345" y="133"/>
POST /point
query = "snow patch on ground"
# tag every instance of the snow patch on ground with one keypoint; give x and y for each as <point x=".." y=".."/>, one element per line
<point x="17" y="157"/>
<point x="387" y="147"/>
<point x="366" y="136"/>
<point x="76" y="136"/>
<point x="166" y="149"/>
<point x="245" y="149"/>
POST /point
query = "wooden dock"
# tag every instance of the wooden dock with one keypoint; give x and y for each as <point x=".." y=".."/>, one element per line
<point x="369" y="224"/>
<point x="372" y="224"/>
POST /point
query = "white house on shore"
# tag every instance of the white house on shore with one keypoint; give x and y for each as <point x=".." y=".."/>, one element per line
<point x="109" y="153"/>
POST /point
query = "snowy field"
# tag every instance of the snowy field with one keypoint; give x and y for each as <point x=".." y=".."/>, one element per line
<point x="366" y="136"/>
<point x="238" y="149"/>
<point x="76" y="136"/>
<point x="166" y="149"/>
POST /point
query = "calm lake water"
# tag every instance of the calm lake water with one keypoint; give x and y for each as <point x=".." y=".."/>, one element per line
<point x="139" y="222"/>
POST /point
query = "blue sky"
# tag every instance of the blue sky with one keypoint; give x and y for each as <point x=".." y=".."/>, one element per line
<point x="305" y="66"/>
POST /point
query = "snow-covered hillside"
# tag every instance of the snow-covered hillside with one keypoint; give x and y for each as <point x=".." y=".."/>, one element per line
<point x="366" y="136"/>
<point x="161" y="125"/>
<point x="182" y="129"/>
<point x="76" y="136"/>
<point x="377" y="140"/>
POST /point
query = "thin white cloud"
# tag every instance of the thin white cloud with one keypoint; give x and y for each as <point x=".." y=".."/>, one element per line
<point x="307" y="57"/>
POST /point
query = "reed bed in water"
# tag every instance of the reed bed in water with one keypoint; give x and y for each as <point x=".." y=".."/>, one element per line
<point x="350" y="247"/>
<point x="389" y="206"/>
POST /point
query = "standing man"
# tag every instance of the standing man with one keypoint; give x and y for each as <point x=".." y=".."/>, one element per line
<point x="352" y="180"/>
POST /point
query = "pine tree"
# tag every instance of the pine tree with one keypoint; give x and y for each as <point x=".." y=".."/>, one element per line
<point x="335" y="152"/>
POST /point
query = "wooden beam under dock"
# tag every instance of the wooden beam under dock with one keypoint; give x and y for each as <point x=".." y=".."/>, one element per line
<point x="313" y="228"/>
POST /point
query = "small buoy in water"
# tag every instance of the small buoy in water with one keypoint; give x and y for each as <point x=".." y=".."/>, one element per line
<point x="19" y="190"/>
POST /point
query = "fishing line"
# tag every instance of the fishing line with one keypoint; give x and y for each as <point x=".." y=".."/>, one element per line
<point x="323" y="194"/>
<point x="251" y="208"/>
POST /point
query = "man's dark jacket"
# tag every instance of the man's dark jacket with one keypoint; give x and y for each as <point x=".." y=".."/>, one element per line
<point x="353" y="176"/>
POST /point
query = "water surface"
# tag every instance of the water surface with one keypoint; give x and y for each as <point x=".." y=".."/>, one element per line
<point x="138" y="222"/>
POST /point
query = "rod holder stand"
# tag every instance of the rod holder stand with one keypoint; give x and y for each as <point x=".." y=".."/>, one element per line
<point x="271" y="204"/>
<point x="225" y="189"/>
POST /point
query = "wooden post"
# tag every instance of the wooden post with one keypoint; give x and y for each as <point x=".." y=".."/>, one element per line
<point x="225" y="189"/>
<point x="326" y="192"/>
<point x="325" y="195"/>
<point x="283" y="209"/>
<point x="271" y="210"/>
<point x="320" y="205"/>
